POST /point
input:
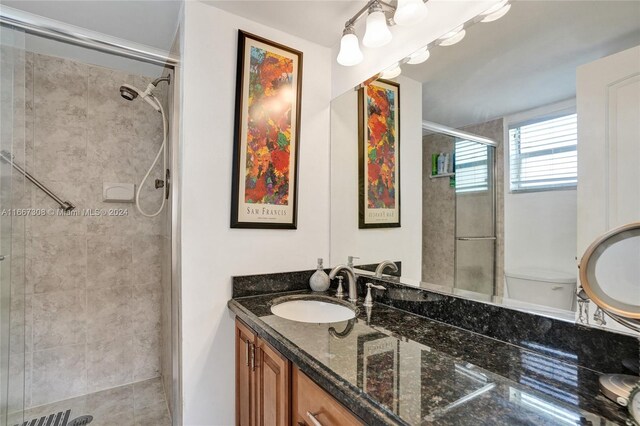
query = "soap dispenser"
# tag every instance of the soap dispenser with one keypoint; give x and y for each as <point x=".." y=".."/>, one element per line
<point x="319" y="281"/>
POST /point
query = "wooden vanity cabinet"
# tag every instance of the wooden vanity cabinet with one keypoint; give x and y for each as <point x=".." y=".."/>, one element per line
<point x="309" y="399"/>
<point x="263" y="381"/>
<point x="269" y="392"/>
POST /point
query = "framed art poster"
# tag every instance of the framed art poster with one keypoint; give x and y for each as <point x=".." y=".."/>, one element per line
<point x="267" y="133"/>
<point x="379" y="155"/>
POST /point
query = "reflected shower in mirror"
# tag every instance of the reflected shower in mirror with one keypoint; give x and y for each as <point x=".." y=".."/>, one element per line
<point x="505" y="164"/>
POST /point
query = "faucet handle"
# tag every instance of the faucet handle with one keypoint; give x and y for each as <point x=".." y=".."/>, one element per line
<point x="368" y="301"/>
<point x="340" y="291"/>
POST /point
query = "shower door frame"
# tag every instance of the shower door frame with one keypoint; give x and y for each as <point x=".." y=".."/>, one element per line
<point x="55" y="30"/>
<point x="461" y="134"/>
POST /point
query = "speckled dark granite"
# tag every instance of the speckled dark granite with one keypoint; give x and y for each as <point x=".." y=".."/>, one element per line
<point x="559" y="339"/>
<point x="588" y="347"/>
<point x="253" y="285"/>
<point x="394" y="367"/>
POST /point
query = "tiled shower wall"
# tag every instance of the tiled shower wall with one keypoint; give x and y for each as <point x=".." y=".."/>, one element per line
<point x="93" y="293"/>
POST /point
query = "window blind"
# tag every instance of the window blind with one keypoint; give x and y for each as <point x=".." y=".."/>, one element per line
<point x="543" y="154"/>
<point x="471" y="166"/>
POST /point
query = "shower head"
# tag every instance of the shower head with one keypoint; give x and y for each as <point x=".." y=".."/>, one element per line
<point x="130" y="93"/>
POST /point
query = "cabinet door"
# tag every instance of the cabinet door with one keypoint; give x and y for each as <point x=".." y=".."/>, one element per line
<point x="309" y="399"/>
<point x="245" y="341"/>
<point x="272" y="376"/>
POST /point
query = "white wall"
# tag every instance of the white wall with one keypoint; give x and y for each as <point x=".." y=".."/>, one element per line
<point x="375" y="245"/>
<point x="540" y="230"/>
<point x="539" y="227"/>
<point x="211" y="251"/>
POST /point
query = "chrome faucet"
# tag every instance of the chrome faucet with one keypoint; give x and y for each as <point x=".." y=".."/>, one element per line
<point x="351" y="278"/>
<point x="384" y="265"/>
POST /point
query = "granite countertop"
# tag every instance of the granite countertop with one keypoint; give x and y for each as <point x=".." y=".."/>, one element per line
<point x="393" y="367"/>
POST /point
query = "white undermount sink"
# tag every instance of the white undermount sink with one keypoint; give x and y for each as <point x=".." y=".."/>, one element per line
<point x="313" y="311"/>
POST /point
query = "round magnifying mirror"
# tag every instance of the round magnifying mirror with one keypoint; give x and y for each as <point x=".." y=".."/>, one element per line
<point x="610" y="275"/>
<point x="610" y="271"/>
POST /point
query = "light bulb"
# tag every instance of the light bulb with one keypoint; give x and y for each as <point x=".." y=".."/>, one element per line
<point x="453" y="36"/>
<point x="497" y="14"/>
<point x="410" y="12"/>
<point x="377" y="33"/>
<point x="391" y="72"/>
<point x="419" y="56"/>
<point x="350" y="53"/>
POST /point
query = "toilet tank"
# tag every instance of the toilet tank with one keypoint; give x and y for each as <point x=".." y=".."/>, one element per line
<point x="542" y="287"/>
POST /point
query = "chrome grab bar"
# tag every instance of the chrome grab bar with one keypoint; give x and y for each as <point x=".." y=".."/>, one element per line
<point x="64" y="205"/>
<point x="474" y="238"/>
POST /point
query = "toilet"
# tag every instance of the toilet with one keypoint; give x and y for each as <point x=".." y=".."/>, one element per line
<point x="542" y="287"/>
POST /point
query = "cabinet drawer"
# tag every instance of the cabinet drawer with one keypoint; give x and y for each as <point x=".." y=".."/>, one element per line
<point x="308" y="397"/>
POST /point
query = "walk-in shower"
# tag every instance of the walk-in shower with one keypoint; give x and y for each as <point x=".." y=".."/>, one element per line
<point x="88" y="291"/>
<point x="459" y="224"/>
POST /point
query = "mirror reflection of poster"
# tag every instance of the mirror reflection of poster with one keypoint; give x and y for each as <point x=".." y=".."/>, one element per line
<point x="378" y="368"/>
<point x="379" y="155"/>
<point x="267" y="133"/>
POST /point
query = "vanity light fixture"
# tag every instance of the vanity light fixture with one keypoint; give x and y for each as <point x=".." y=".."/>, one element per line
<point x="391" y="72"/>
<point x="496" y="11"/>
<point x="452" y="37"/>
<point x="419" y="56"/>
<point x="377" y="33"/>
<point x="410" y="12"/>
<point x="380" y="15"/>
<point x="350" y="53"/>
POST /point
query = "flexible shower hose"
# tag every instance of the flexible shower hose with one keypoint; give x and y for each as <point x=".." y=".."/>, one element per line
<point x="163" y="151"/>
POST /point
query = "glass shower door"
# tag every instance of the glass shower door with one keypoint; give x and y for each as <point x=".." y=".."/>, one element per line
<point x="475" y="217"/>
<point x="13" y="189"/>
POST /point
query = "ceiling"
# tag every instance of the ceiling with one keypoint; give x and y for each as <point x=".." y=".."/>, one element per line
<point x="152" y="23"/>
<point x="321" y="22"/>
<point x="525" y="60"/>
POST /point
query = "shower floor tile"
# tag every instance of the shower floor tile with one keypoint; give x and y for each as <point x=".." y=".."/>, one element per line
<point x="136" y="404"/>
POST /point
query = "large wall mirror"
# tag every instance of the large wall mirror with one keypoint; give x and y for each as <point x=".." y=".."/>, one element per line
<point x="514" y="149"/>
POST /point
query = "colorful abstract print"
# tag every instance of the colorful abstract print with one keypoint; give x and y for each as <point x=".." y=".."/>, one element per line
<point x="381" y="147"/>
<point x="268" y="128"/>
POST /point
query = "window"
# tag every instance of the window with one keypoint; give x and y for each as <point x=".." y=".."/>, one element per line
<point x="543" y="154"/>
<point x="472" y="171"/>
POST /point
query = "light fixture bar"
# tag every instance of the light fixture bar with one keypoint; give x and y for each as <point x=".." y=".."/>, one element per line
<point x="365" y="9"/>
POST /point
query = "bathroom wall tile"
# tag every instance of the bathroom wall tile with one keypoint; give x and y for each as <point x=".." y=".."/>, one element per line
<point x="146" y="316"/>
<point x="56" y="263"/>
<point x="147" y="260"/>
<point x="109" y="363"/>
<point x="109" y="155"/>
<point x="18" y="391"/>
<point x="57" y="222"/>
<point x="146" y="356"/>
<point x="58" y="374"/>
<point x="59" y="318"/>
<point x="20" y="324"/>
<point x="60" y="90"/>
<point x="60" y="151"/>
<point x="109" y="261"/>
<point x="109" y="312"/>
